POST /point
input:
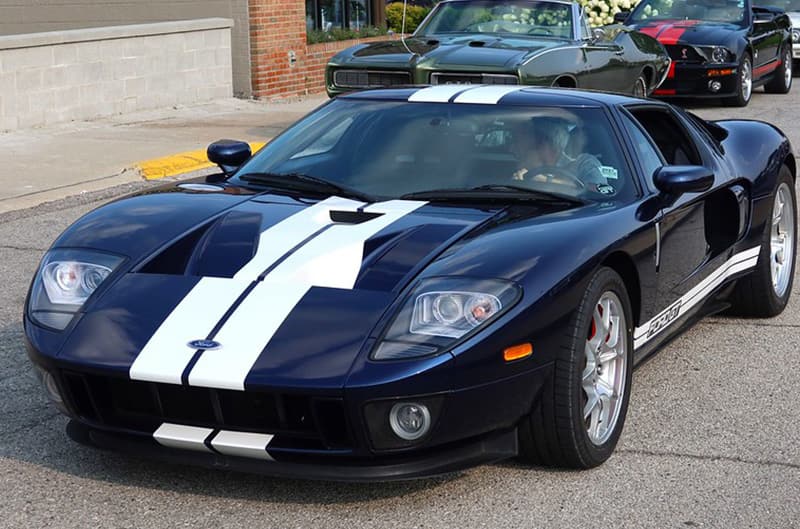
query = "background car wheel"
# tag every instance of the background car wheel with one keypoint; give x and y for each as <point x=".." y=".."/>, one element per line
<point x="640" y="87"/>
<point x="765" y="292"/>
<point x="782" y="82"/>
<point x="744" y="86"/>
<point x="579" y="417"/>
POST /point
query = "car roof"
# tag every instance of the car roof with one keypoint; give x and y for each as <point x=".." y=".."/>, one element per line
<point x="494" y="94"/>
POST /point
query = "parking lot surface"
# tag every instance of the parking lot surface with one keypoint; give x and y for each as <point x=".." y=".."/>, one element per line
<point x="711" y="438"/>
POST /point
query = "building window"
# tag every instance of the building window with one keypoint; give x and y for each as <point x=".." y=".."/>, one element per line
<point x="329" y="14"/>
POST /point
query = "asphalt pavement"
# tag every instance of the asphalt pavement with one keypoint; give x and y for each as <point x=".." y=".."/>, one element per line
<point x="711" y="438"/>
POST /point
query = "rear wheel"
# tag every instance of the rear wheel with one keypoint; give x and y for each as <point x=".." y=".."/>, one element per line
<point x="640" y="87"/>
<point x="744" y="85"/>
<point x="765" y="292"/>
<point x="579" y="418"/>
<point x="781" y="83"/>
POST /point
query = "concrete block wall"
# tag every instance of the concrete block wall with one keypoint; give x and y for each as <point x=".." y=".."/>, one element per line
<point x="33" y="16"/>
<point x="60" y="76"/>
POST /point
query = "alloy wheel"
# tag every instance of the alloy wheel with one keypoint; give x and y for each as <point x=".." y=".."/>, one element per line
<point x="782" y="240"/>
<point x="603" y="377"/>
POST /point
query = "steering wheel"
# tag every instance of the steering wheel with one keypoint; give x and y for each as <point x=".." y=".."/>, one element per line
<point x="554" y="175"/>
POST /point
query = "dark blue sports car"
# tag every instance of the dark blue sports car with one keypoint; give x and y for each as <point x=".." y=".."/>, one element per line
<point x="411" y="281"/>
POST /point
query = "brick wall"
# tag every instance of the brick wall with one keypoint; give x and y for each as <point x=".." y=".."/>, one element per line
<point x="278" y="33"/>
<point x="69" y="75"/>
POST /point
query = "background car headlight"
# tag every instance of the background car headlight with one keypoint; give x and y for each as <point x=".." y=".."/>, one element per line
<point x="441" y="311"/>
<point x="796" y="35"/>
<point x="65" y="280"/>
<point x="720" y="54"/>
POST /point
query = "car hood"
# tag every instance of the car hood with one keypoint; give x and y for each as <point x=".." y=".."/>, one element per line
<point x="464" y="50"/>
<point x="693" y="32"/>
<point x="289" y="286"/>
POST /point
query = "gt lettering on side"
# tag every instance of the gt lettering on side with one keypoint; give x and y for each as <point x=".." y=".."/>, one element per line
<point x="664" y="319"/>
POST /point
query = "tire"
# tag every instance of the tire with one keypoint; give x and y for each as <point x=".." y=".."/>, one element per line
<point x="744" y="86"/>
<point x="765" y="292"/>
<point x="640" y="87"/>
<point x="781" y="83"/>
<point x="556" y="432"/>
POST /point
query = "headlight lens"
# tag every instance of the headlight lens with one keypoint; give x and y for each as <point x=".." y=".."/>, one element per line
<point x="720" y="54"/>
<point x="65" y="281"/>
<point x="796" y="35"/>
<point x="441" y="311"/>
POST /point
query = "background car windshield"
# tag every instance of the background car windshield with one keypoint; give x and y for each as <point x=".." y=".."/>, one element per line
<point x="730" y="11"/>
<point x="526" y="18"/>
<point x="388" y="149"/>
<point x="786" y="5"/>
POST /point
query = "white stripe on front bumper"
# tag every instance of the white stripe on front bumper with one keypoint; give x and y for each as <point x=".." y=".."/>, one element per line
<point x="182" y="436"/>
<point x="242" y="444"/>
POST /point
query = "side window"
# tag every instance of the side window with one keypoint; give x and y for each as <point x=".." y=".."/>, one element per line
<point x="586" y="32"/>
<point x="646" y="151"/>
<point x="672" y="140"/>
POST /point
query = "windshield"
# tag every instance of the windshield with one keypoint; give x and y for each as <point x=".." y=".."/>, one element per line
<point x="516" y="17"/>
<point x="786" y="5"/>
<point x="389" y="149"/>
<point x="729" y="11"/>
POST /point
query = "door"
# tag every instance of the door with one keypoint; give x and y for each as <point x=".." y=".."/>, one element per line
<point x="766" y="42"/>
<point x="604" y="66"/>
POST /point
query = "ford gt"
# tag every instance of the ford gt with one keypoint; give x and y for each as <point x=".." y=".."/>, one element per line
<point x="408" y="282"/>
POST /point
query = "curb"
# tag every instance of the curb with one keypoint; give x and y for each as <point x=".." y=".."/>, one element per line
<point x="180" y="163"/>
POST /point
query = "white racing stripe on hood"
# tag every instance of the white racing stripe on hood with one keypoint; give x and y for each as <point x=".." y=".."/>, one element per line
<point x="333" y="259"/>
<point x="166" y="355"/>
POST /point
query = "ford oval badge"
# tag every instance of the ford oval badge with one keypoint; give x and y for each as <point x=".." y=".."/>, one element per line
<point x="204" y="344"/>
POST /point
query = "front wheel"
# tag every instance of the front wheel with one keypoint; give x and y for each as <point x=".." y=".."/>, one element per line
<point x="744" y="85"/>
<point x="579" y="417"/>
<point x="781" y="81"/>
<point x="640" y="87"/>
<point x="765" y="292"/>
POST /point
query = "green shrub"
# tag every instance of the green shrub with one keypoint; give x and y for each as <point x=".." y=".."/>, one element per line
<point x="414" y="15"/>
<point x="314" y="36"/>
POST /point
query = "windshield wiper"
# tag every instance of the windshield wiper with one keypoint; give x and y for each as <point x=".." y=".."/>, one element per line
<point x="494" y="192"/>
<point x="305" y="182"/>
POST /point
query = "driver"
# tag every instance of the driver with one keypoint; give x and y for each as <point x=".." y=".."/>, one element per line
<point x="540" y="146"/>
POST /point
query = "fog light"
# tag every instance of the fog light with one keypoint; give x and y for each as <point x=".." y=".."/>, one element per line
<point x="714" y="86"/>
<point x="51" y="388"/>
<point x="410" y="420"/>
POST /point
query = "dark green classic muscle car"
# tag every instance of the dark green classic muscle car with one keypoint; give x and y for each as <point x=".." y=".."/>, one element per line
<point x="532" y="42"/>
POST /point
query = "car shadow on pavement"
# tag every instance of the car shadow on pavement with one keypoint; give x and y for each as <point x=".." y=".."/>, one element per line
<point x="33" y="434"/>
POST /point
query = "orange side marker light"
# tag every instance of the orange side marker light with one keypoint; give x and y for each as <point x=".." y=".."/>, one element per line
<point x="515" y="352"/>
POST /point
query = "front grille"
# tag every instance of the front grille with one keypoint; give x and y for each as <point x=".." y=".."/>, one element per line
<point x="144" y="406"/>
<point x="473" y="78"/>
<point x="684" y="54"/>
<point x="369" y="78"/>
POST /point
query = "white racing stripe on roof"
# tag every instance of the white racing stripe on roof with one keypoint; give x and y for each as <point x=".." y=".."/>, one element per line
<point x="332" y="260"/>
<point x="182" y="436"/>
<point x="487" y="95"/>
<point x="438" y="94"/>
<point x="664" y="319"/>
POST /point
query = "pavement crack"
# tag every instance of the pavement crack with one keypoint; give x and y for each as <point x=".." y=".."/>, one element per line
<point x="22" y="248"/>
<point x="698" y="457"/>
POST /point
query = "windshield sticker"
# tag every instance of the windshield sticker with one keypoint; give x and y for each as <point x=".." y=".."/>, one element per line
<point x="609" y="172"/>
<point x="605" y="189"/>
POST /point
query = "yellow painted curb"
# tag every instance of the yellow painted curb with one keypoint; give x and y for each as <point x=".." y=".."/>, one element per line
<point x="180" y="163"/>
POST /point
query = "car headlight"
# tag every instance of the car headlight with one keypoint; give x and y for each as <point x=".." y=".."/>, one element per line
<point x="65" y="280"/>
<point x="442" y="311"/>
<point x="796" y="35"/>
<point x="720" y="54"/>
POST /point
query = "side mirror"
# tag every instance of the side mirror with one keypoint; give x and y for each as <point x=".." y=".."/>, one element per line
<point x="621" y="17"/>
<point x="229" y="154"/>
<point x="599" y="33"/>
<point x="676" y="180"/>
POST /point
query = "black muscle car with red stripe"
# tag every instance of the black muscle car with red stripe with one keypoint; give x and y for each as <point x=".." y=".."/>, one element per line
<point x="719" y="48"/>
